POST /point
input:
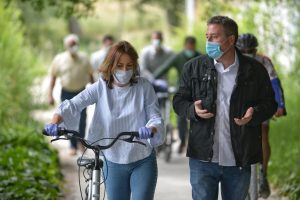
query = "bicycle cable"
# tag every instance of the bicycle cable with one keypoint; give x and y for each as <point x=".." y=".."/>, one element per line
<point x="104" y="178"/>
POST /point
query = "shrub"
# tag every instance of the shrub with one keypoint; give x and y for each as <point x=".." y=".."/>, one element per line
<point x="28" y="166"/>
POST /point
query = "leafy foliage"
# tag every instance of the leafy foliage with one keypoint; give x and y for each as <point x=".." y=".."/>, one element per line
<point x="172" y="8"/>
<point x="17" y="69"/>
<point x="284" y="138"/>
<point x="66" y="8"/>
<point x="28" y="167"/>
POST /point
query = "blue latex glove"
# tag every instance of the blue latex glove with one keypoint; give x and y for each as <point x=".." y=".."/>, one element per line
<point x="145" y="133"/>
<point x="51" y="129"/>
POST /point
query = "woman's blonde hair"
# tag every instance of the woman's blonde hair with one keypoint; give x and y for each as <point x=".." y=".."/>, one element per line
<point x="114" y="54"/>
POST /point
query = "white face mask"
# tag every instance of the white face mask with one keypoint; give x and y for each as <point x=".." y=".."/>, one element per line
<point x="73" y="49"/>
<point x="122" y="77"/>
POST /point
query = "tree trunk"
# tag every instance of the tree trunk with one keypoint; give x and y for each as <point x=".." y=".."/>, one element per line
<point x="173" y="11"/>
<point x="74" y="26"/>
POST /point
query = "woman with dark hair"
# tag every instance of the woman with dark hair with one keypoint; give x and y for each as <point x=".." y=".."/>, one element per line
<point x="124" y="102"/>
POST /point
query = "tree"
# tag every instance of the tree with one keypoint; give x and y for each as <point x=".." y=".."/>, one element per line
<point x="172" y="8"/>
<point x="66" y="8"/>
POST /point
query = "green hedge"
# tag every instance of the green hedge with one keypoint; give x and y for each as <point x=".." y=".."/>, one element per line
<point x="29" y="168"/>
<point x="284" y="136"/>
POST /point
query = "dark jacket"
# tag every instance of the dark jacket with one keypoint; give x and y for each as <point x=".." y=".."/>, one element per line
<point x="252" y="88"/>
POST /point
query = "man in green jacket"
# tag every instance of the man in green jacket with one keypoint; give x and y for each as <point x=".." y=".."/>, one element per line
<point x="178" y="61"/>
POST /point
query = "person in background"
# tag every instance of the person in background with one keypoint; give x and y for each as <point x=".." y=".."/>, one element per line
<point x="226" y="96"/>
<point x="247" y="43"/>
<point x="98" y="57"/>
<point x="154" y="55"/>
<point x="178" y="60"/>
<point x="124" y="102"/>
<point x="73" y="69"/>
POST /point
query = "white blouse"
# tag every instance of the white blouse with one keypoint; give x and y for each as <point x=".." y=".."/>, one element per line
<point x="117" y="110"/>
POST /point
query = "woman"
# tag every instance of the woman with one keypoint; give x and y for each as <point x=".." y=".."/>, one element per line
<point x="124" y="102"/>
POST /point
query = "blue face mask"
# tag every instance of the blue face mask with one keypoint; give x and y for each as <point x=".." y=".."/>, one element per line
<point x="156" y="43"/>
<point x="213" y="50"/>
<point x="189" y="53"/>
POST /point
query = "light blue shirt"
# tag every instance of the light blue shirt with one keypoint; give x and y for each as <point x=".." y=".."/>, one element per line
<point x="222" y="148"/>
<point x="117" y="110"/>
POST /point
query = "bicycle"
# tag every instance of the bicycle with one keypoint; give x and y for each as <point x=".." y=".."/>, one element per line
<point x="93" y="165"/>
<point x="164" y="92"/>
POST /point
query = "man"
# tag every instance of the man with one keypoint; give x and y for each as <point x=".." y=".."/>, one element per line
<point x="74" y="71"/>
<point x="98" y="57"/>
<point x="154" y="55"/>
<point x="226" y="96"/>
<point x="247" y="43"/>
<point x="178" y="61"/>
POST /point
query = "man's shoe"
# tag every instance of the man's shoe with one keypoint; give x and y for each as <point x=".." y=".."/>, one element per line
<point x="264" y="188"/>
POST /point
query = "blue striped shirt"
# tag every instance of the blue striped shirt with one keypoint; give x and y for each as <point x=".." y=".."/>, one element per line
<point x="117" y="110"/>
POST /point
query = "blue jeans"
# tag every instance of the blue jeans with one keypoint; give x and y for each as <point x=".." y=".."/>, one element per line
<point x="137" y="179"/>
<point x="66" y="95"/>
<point x="205" y="178"/>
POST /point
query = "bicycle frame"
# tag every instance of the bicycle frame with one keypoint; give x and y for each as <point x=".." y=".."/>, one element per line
<point x="165" y="107"/>
<point x="94" y="183"/>
<point x="95" y="164"/>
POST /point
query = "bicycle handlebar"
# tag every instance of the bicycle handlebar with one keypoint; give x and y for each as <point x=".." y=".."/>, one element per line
<point x="75" y="134"/>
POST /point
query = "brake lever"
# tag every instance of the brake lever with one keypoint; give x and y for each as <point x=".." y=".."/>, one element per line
<point x="130" y="140"/>
<point x="138" y="142"/>
<point x="58" y="138"/>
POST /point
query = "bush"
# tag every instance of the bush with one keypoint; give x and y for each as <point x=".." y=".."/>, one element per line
<point x="284" y="139"/>
<point x="17" y="68"/>
<point x="28" y="166"/>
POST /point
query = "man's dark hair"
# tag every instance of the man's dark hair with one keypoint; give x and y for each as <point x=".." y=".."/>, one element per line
<point x="230" y="26"/>
<point x="158" y="33"/>
<point x="190" y="40"/>
<point x="107" y="37"/>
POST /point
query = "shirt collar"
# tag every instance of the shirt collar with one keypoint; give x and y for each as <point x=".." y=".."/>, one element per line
<point x="220" y="67"/>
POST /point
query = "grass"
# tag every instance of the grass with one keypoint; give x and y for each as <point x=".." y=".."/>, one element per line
<point x="284" y="136"/>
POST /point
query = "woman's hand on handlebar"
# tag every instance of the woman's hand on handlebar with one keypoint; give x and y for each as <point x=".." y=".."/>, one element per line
<point x="51" y="129"/>
<point x="146" y="133"/>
